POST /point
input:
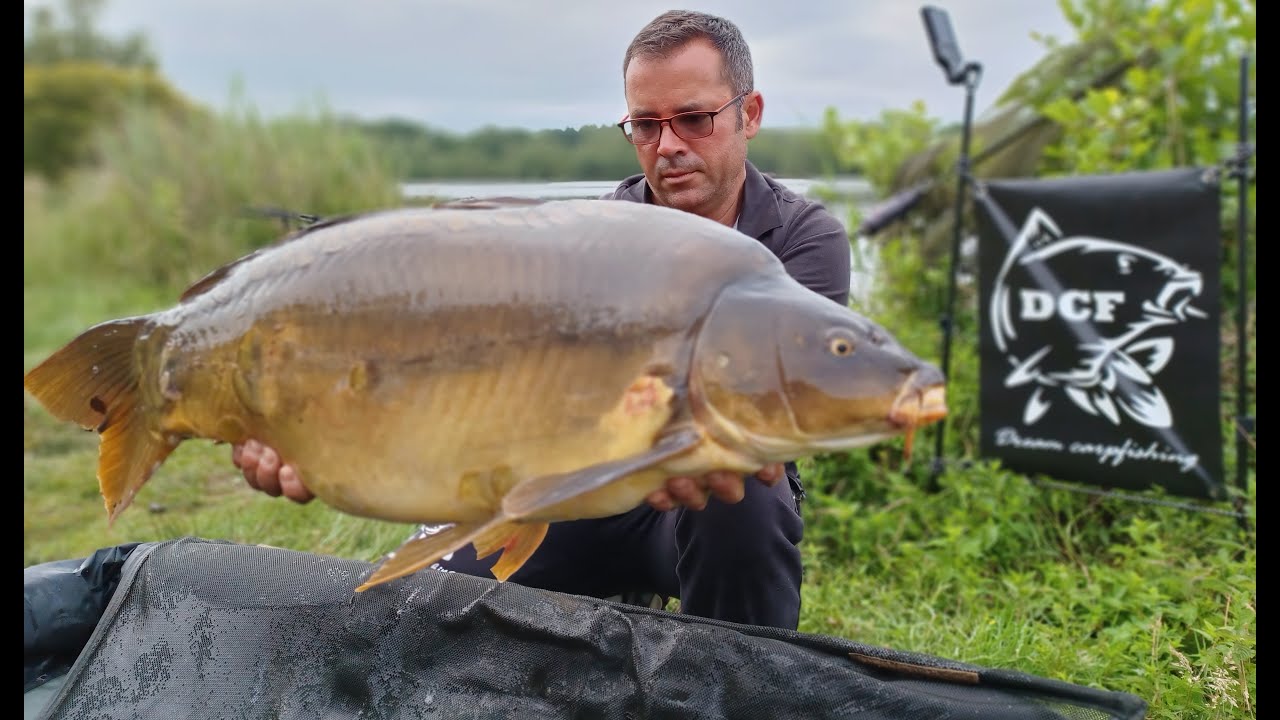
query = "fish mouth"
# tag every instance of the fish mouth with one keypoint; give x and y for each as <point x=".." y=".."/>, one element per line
<point x="916" y="407"/>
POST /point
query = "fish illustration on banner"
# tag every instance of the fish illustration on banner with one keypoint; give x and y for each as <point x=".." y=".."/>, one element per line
<point x="1099" y="345"/>
<point x="1113" y="367"/>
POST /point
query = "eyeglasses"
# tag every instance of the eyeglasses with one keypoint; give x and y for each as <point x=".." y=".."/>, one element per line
<point x="686" y="125"/>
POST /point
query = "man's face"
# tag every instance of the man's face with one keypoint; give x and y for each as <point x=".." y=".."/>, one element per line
<point x="702" y="176"/>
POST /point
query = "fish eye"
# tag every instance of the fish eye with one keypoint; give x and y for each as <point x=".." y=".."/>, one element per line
<point x="840" y="346"/>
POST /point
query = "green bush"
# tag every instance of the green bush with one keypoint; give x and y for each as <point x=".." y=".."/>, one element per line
<point x="66" y="104"/>
<point x="173" y="198"/>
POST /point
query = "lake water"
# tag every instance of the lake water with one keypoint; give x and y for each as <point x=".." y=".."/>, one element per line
<point x="854" y="188"/>
<point x="845" y="194"/>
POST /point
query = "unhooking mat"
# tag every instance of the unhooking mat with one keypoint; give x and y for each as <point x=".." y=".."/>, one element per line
<point x="209" y="629"/>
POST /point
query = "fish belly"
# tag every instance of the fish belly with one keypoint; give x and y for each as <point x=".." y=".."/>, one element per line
<point x="418" y="436"/>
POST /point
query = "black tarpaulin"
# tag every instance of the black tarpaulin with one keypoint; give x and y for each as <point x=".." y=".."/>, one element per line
<point x="206" y="629"/>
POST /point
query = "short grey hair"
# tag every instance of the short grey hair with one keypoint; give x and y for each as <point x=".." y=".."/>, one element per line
<point x="673" y="29"/>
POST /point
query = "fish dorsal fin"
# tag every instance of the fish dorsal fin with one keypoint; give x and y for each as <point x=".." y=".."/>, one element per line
<point x="544" y="492"/>
<point x="216" y="276"/>
<point x="213" y="278"/>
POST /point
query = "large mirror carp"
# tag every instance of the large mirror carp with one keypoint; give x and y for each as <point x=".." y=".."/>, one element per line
<point x="492" y="369"/>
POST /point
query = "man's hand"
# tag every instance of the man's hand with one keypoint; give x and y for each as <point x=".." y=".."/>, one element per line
<point x="263" y="471"/>
<point x="727" y="487"/>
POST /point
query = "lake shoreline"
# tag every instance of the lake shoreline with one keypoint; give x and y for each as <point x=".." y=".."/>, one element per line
<point x="853" y="188"/>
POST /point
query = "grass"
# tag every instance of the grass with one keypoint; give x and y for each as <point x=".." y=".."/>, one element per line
<point x="987" y="568"/>
<point x="1105" y="592"/>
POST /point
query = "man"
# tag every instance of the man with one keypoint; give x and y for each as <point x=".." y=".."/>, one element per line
<point x="725" y="545"/>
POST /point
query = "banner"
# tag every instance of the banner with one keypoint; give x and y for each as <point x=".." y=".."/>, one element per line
<point x="1099" y="349"/>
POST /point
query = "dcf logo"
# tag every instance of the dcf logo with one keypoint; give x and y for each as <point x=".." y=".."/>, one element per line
<point x="1100" y="347"/>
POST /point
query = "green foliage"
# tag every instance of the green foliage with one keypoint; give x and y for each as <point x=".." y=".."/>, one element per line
<point x="77" y="81"/>
<point x="792" y="152"/>
<point x="876" y="149"/>
<point x="66" y="103"/>
<point x="591" y="152"/>
<point x="172" y="199"/>
<point x="1176" y="104"/>
<point x="1143" y="598"/>
<point x="55" y="39"/>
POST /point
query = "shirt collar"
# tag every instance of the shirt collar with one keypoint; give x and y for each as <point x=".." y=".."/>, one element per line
<point x="759" y="212"/>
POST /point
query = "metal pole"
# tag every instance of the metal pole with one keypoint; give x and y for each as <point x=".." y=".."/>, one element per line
<point x="973" y="72"/>
<point x="1243" y="422"/>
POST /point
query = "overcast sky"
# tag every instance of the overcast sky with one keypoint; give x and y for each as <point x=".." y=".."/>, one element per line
<point x="463" y="64"/>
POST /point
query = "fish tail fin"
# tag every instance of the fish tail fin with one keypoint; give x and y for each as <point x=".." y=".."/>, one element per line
<point x="92" y="381"/>
<point x="129" y="456"/>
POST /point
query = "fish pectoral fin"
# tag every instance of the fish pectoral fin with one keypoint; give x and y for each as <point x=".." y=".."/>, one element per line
<point x="539" y="493"/>
<point x="422" y="550"/>
<point x="516" y="541"/>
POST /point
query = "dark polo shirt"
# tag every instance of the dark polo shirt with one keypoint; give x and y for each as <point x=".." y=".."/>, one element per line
<point x="811" y="243"/>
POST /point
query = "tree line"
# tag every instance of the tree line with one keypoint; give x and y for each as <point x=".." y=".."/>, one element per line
<point x="590" y="152"/>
